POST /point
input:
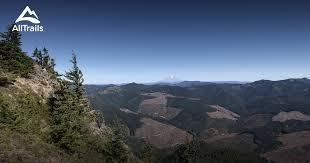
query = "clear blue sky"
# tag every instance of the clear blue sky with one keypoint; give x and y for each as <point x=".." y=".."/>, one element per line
<point x="145" y="41"/>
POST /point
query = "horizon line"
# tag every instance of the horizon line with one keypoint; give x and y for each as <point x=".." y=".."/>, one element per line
<point x="210" y="81"/>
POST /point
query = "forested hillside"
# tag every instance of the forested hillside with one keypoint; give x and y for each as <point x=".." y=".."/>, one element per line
<point x="46" y="118"/>
<point x="267" y="118"/>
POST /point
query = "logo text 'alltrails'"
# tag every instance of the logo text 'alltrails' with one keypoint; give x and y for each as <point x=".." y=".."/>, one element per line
<point x="33" y="18"/>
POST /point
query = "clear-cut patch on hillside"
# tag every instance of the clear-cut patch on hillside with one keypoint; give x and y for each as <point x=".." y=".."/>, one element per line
<point x="236" y="141"/>
<point x="127" y="111"/>
<point x="111" y="90"/>
<point x="157" y="106"/>
<point x="295" y="148"/>
<point x="161" y="135"/>
<point x="295" y="139"/>
<point x="292" y="115"/>
<point x="222" y="113"/>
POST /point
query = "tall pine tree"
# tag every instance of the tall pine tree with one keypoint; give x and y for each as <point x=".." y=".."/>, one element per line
<point x="12" y="59"/>
<point x="75" y="77"/>
<point x="66" y="129"/>
<point x="12" y="38"/>
<point x="37" y="54"/>
<point x="115" y="149"/>
<point x="44" y="59"/>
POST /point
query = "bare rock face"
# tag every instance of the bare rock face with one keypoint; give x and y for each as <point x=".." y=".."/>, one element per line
<point x="97" y="125"/>
<point x="162" y="135"/>
<point x="293" y="115"/>
<point x="41" y="83"/>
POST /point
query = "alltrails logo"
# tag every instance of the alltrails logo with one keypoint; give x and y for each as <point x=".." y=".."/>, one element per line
<point x="28" y="28"/>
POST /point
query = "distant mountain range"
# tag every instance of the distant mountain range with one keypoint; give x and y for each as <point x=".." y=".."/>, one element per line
<point x="174" y="81"/>
<point x="189" y="83"/>
<point x="180" y="83"/>
<point x="199" y="83"/>
<point x="269" y="118"/>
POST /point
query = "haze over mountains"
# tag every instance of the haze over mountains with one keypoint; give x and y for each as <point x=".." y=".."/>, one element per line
<point x="173" y="81"/>
<point x="185" y="83"/>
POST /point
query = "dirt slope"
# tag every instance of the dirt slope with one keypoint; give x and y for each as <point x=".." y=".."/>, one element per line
<point x="222" y="113"/>
<point x="157" y="106"/>
<point x="161" y="135"/>
<point x="292" y="115"/>
<point x="295" y="148"/>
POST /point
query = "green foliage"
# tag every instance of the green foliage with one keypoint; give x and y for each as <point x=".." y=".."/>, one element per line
<point x="194" y="118"/>
<point x="23" y="110"/>
<point x="55" y="129"/>
<point x="201" y="152"/>
<point x="131" y="120"/>
<point x="24" y="127"/>
<point x="38" y="57"/>
<point x="68" y="113"/>
<point x="6" y="78"/>
<point x="266" y="137"/>
<point x="42" y="58"/>
<point x="146" y="153"/>
<point x="75" y="77"/>
<point x="70" y="120"/>
<point x="29" y="113"/>
<point x="12" y="59"/>
<point x="6" y="114"/>
<point x="114" y="148"/>
<point x="67" y="121"/>
<point x="13" y="38"/>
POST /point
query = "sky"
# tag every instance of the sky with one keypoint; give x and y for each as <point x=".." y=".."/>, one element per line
<point x="121" y="41"/>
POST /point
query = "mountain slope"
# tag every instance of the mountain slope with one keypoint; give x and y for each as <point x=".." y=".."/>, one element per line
<point x="215" y="113"/>
<point x="45" y="118"/>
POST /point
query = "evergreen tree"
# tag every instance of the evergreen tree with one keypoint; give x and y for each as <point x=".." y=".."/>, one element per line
<point x="66" y="130"/>
<point x="75" y="76"/>
<point x="52" y="63"/>
<point x="35" y="55"/>
<point x="147" y="153"/>
<point x="115" y="149"/>
<point x="68" y="116"/>
<point x="12" y="59"/>
<point x="187" y="153"/>
<point x="42" y="58"/>
<point x="46" y="59"/>
<point x="39" y="57"/>
<point x="12" y="39"/>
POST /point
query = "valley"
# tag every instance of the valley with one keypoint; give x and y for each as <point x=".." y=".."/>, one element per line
<point x="268" y="118"/>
